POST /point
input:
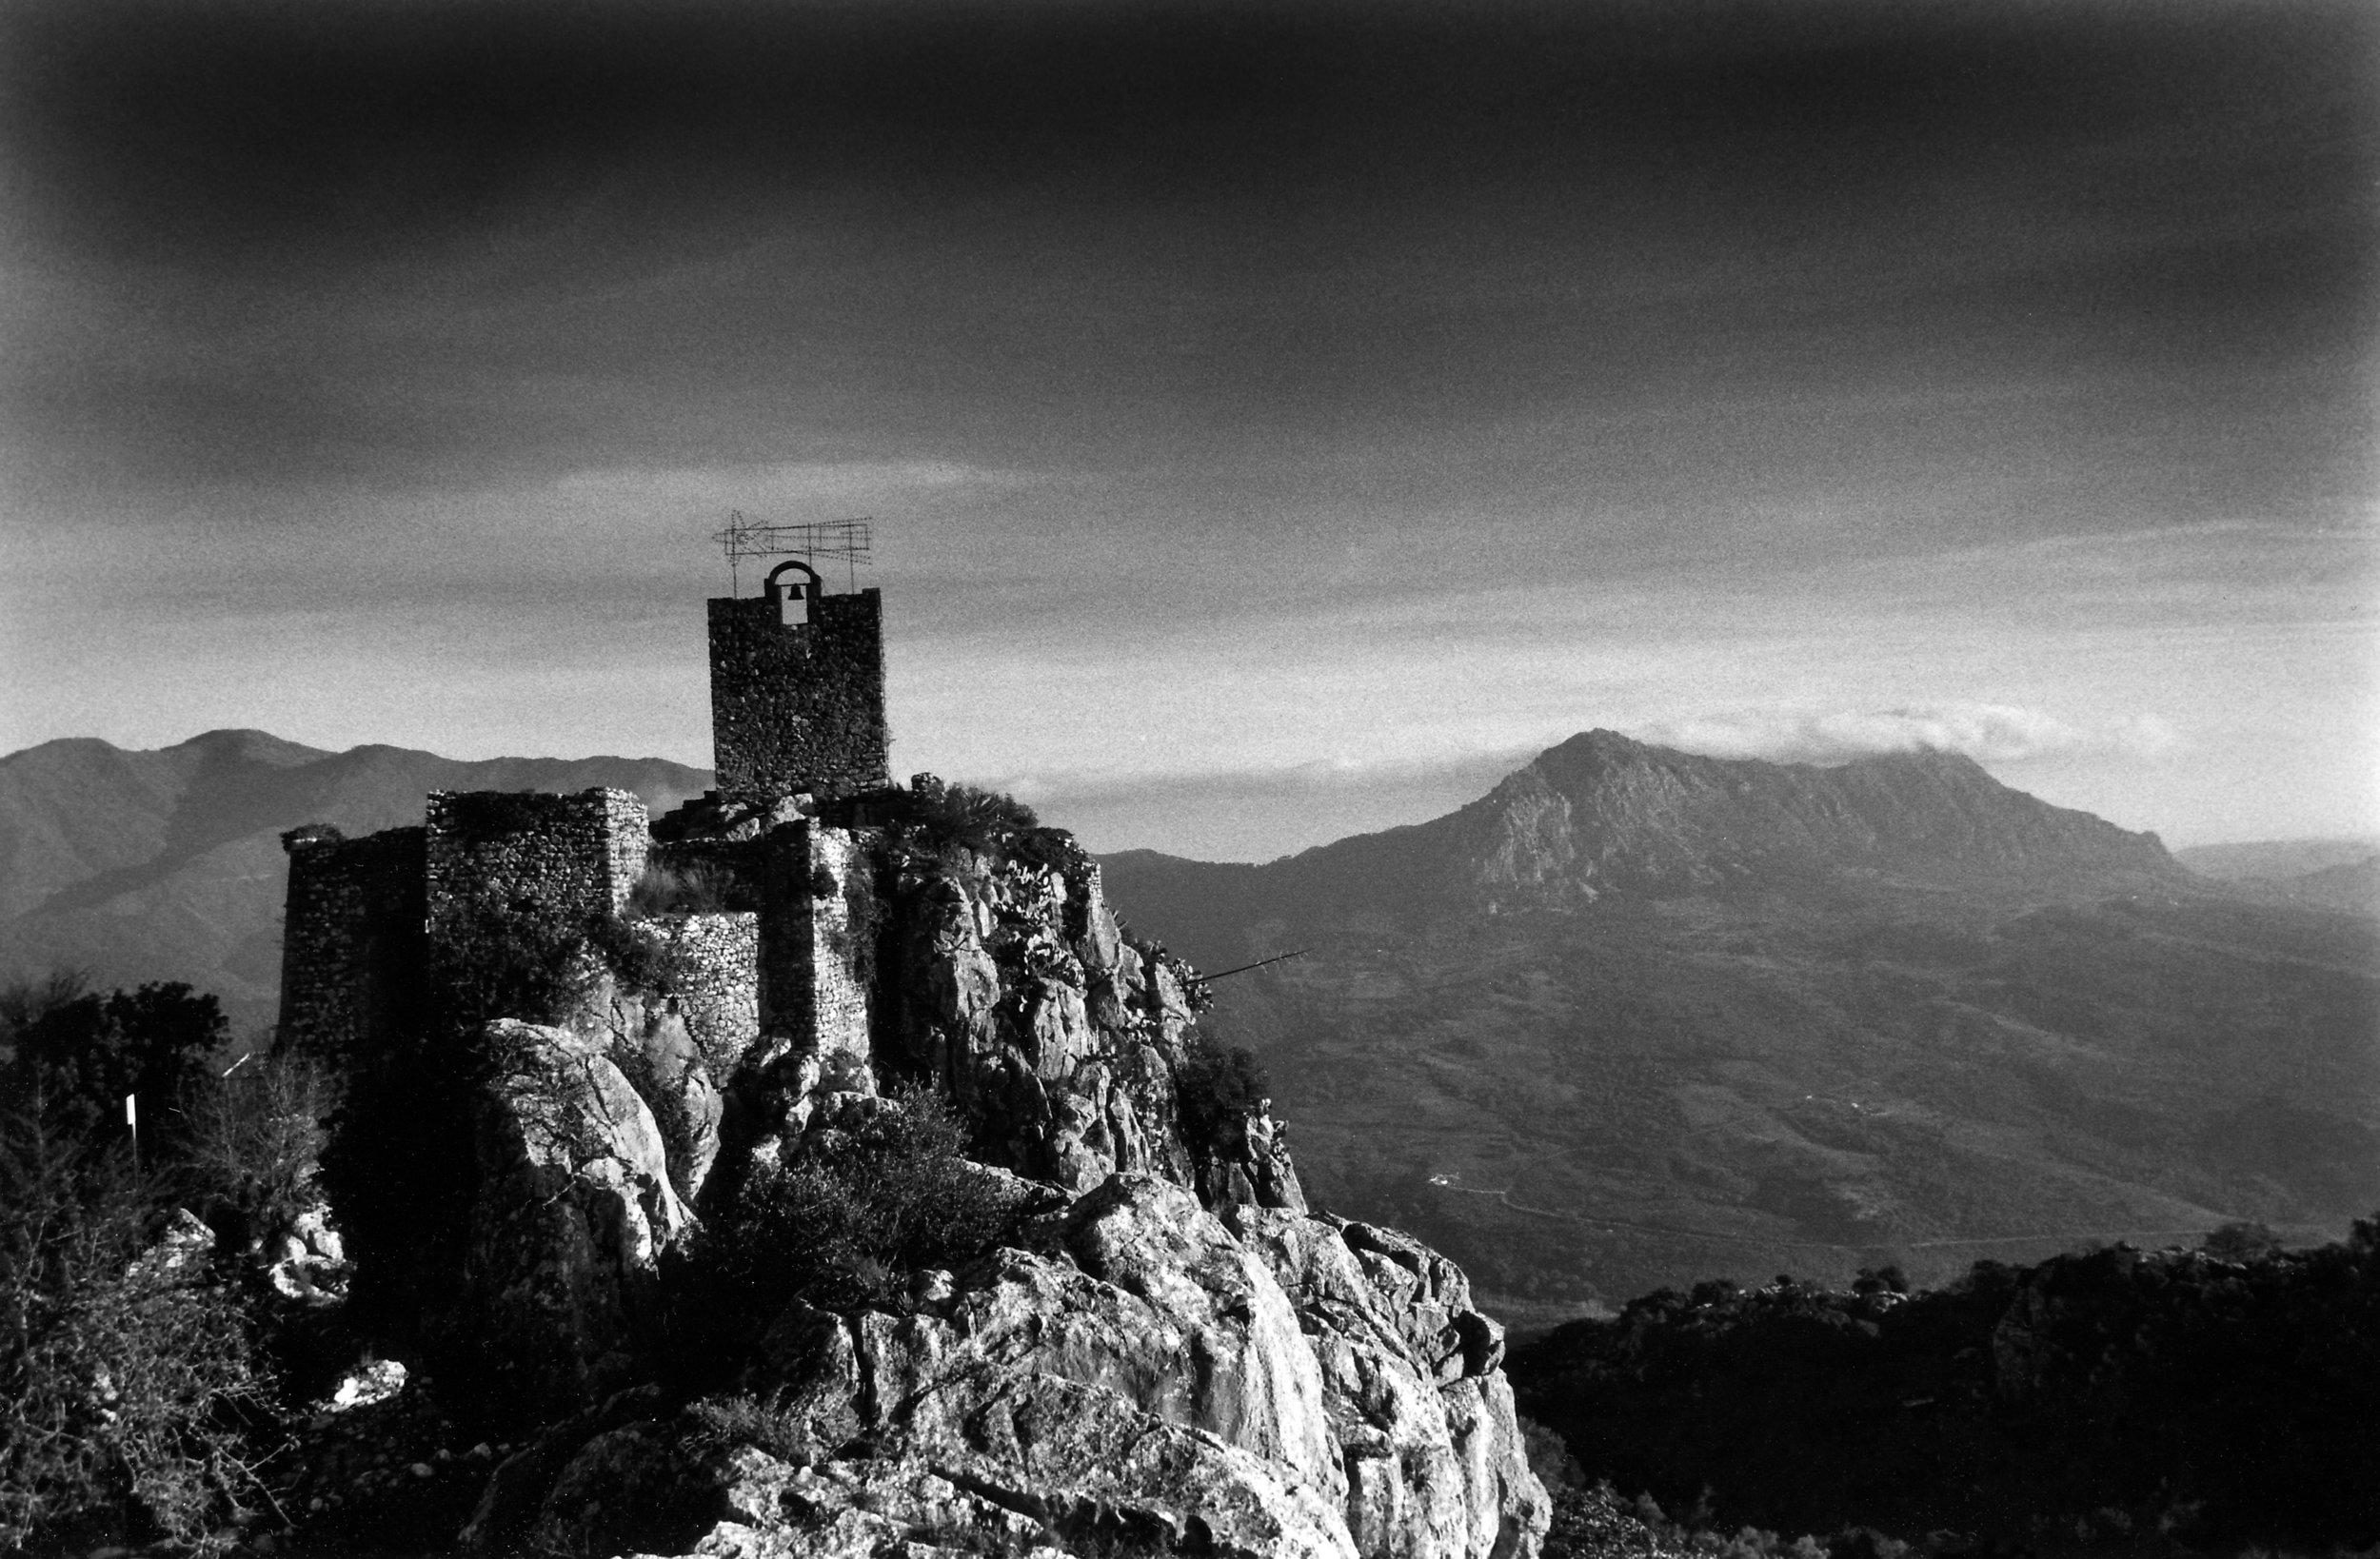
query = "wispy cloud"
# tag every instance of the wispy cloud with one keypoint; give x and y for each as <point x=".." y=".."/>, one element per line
<point x="1989" y="733"/>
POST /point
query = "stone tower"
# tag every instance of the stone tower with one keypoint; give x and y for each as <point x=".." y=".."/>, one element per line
<point x="798" y="691"/>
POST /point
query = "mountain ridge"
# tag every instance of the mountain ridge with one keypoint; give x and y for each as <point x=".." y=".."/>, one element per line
<point x="1633" y="1004"/>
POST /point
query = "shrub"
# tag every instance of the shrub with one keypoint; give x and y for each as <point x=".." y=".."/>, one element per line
<point x="512" y="959"/>
<point x="844" y="1219"/>
<point x="639" y="955"/>
<point x="939" y="816"/>
<point x="980" y="819"/>
<point x="1217" y="1086"/>
<point x="129" y="1388"/>
<point x="767" y="1423"/>
<point x="694" y="888"/>
<point x="2240" y="1241"/>
<point x="252" y="1153"/>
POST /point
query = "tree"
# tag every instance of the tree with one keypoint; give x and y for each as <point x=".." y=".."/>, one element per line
<point x="78" y="1054"/>
<point x="2240" y="1240"/>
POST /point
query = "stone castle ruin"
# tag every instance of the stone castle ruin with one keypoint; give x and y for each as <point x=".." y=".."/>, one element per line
<point x="803" y="943"/>
<point x="798" y="690"/>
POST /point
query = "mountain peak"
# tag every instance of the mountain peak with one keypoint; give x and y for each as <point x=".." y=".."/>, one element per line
<point x="1602" y="811"/>
<point x="241" y="744"/>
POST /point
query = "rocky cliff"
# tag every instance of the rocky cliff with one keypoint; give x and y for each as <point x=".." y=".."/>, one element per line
<point x="1112" y="1326"/>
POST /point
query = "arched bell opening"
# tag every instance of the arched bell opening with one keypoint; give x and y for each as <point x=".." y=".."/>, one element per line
<point x="793" y="605"/>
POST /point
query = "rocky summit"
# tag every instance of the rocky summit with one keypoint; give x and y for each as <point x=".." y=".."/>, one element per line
<point x="699" y="1256"/>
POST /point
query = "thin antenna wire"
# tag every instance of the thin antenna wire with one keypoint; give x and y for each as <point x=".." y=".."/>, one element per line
<point x="853" y="540"/>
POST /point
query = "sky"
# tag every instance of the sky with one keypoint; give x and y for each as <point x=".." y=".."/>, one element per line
<point x="1279" y="421"/>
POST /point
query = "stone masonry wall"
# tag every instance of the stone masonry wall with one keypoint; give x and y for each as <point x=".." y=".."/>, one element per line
<point x="573" y="856"/>
<point x="817" y="938"/>
<point x="353" y="951"/>
<point x="717" y="979"/>
<point x="798" y="709"/>
<point x="842" y="924"/>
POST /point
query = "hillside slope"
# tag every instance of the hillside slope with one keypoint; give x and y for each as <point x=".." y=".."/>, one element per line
<point x="167" y="864"/>
<point x="1639" y="1018"/>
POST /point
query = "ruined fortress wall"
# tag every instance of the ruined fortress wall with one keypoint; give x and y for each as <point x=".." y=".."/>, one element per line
<point x="575" y="856"/>
<point x="717" y="975"/>
<point x="353" y="951"/>
<point x="842" y="928"/>
<point x="800" y="708"/>
<point x="816" y="936"/>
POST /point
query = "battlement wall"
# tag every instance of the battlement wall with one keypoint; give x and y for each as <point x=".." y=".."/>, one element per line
<point x="353" y="944"/>
<point x="799" y="707"/>
<point x="571" y="856"/>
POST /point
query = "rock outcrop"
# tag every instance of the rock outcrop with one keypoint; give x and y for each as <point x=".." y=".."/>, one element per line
<point x="1141" y="1377"/>
<point x="560" y="1280"/>
<point x="1145" y="1343"/>
<point x="1059" y="1036"/>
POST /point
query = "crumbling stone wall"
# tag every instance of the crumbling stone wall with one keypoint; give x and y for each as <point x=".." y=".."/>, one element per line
<point x="798" y="708"/>
<point x="816" y="937"/>
<point x="353" y="948"/>
<point x="574" y="856"/>
<point x="715" y="976"/>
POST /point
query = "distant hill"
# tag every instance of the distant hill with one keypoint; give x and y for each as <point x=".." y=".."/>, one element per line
<point x="2274" y="859"/>
<point x="2343" y="874"/>
<point x="167" y="864"/>
<point x="1638" y="1016"/>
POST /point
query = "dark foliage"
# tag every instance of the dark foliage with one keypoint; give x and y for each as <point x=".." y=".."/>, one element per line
<point x="515" y="958"/>
<point x="2240" y="1241"/>
<point x="76" y="1054"/>
<point x="1217" y="1086"/>
<point x="847" y="1218"/>
<point x="2109" y="1395"/>
<point x="937" y="817"/>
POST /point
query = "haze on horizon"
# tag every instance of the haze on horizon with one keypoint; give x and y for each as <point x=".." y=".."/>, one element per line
<point x="1279" y="420"/>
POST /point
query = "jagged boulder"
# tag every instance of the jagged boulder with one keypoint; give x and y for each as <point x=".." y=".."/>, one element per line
<point x="1022" y="1001"/>
<point x="653" y="1047"/>
<point x="1141" y="1378"/>
<point x="1060" y="1038"/>
<point x="1413" y="1388"/>
<point x="560" y="1283"/>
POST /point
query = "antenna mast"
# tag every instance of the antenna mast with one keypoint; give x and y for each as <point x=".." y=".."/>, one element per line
<point x="850" y="540"/>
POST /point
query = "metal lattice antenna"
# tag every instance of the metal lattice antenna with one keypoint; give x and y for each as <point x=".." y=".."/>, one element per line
<point x="850" y="540"/>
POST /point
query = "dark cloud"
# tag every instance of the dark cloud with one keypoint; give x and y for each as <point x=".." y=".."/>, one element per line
<point x="1258" y="244"/>
<point x="1126" y="316"/>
